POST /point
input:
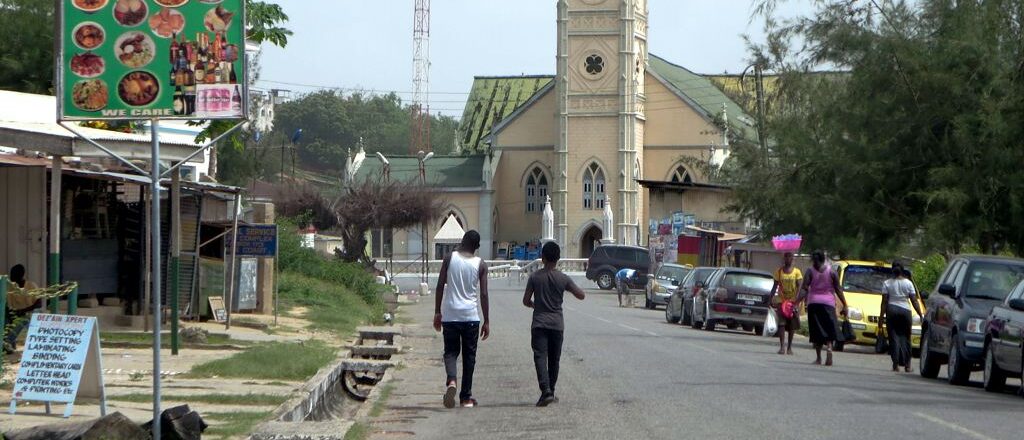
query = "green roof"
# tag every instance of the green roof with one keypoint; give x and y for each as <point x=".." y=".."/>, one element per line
<point x="441" y="171"/>
<point x="491" y="100"/>
<point x="494" y="98"/>
<point x="704" y="94"/>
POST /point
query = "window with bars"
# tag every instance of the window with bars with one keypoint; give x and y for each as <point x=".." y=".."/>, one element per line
<point x="536" y="190"/>
<point x="593" y="187"/>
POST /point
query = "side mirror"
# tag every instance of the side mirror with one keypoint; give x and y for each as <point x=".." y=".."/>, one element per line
<point x="1017" y="304"/>
<point x="948" y="290"/>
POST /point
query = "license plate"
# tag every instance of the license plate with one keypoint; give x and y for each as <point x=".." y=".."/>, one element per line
<point x="746" y="311"/>
<point x="743" y="297"/>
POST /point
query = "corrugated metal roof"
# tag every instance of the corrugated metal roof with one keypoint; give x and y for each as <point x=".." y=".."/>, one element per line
<point x="38" y="114"/>
<point x="491" y="100"/>
<point x="441" y="171"/>
<point x="705" y="94"/>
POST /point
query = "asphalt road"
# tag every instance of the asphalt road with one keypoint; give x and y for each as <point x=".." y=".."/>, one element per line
<point x="626" y="374"/>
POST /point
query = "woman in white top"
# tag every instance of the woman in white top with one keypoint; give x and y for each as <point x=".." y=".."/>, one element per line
<point x="897" y="299"/>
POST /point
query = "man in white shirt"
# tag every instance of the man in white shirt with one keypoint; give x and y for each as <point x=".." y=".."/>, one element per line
<point x="461" y="285"/>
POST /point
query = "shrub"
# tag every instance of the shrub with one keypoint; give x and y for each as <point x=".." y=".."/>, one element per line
<point x="307" y="262"/>
<point x="927" y="273"/>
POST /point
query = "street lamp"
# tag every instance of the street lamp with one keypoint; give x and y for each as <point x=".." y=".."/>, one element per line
<point x="423" y="158"/>
<point x="387" y="166"/>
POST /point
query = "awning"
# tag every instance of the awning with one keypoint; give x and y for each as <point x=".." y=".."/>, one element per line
<point x="451" y="232"/>
<point x="722" y="235"/>
<point x="681" y="186"/>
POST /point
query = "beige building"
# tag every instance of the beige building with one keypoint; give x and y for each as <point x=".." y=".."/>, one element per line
<point x="614" y="126"/>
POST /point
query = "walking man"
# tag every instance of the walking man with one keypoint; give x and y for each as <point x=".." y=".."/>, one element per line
<point x="544" y="292"/>
<point x="461" y="286"/>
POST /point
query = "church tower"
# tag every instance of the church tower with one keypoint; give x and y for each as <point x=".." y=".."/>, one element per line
<point x="602" y="58"/>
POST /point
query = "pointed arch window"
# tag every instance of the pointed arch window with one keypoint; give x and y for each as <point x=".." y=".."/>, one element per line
<point x="681" y="175"/>
<point x="593" y="187"/>
<point x="536" y="190"/>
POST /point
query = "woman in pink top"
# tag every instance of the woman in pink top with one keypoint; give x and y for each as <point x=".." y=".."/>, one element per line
<point x="820" y="289"/>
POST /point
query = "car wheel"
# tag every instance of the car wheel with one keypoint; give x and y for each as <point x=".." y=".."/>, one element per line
<point x="669" y="318"/>
<point x="605" y="280"/>
<point x="995" y="378"/>
<point x="686" y="319"/>
<point x="958" y="370"/>
<point x="928" y="363"/>
<point x="757" y="329"/>
<point x="732" y="326"/>
<point x="747" y="327"/>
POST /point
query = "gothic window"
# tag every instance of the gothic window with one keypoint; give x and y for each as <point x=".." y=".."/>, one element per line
<point x="594" y="64"/>
<point x="536" y="190"/>
<point x="680" y="175"/>
<point x="593" y="187"/>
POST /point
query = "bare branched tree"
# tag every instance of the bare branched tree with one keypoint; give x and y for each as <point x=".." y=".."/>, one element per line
<point x="374" y="203"/>
<point x="305" y="204"/>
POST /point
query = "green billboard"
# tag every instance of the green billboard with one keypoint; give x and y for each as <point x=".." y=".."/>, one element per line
<point x="143" y="59"/>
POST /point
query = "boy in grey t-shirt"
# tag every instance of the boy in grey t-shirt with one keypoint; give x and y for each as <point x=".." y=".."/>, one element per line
<point x="543" y="294"/>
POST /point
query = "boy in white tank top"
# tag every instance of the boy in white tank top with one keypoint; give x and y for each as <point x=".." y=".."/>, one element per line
<point x="461" y="287"/>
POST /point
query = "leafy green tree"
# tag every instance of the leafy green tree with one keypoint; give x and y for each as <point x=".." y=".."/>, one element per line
<point x="918" y="138"/>
<point x="26" y="55"/>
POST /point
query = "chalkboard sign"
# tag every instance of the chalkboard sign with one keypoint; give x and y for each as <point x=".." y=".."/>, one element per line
<point x="61" y="362"/>
<point x="220" y="314"/>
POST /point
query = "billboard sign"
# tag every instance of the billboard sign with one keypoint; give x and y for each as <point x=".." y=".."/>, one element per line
<point x="143" y="59"/>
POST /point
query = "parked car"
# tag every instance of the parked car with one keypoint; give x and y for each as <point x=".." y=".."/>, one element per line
<point x="1004" y="341"/>
<point x="680" y="305"/>
<point x="736" y="298"/>
<point x="954" y="325"/>
<point x="607" y="260"/>
<point x="663" y="283"/>
<point x="862" y="285"/>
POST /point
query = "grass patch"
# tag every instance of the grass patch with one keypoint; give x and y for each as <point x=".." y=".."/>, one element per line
<point x="233" y="424"/>
<point x="215" y="399"/>
<point x="272" y="361"/>
<point x="358" y="431"/>
<point x="378" y="406"/>
<point x="165" y="339"/>
<point x="329" y="306"/>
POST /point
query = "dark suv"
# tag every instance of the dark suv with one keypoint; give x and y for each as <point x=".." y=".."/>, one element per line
<point x="954" y="325"/>
<point x="609" y="259"/>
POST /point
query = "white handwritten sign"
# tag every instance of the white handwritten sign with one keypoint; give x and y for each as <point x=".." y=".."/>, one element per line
<point x="58" y="349"/>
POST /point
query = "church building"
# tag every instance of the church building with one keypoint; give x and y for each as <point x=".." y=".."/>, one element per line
<point x="614" y="127"/>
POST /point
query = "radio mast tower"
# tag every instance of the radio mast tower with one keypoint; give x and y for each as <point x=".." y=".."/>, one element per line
<point x="420" y="109"/>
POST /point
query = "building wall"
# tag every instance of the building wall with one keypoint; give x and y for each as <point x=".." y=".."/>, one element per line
<point x="23" y="221"/>
<point x="406" y="243"/>
<point x="535" y="127"/>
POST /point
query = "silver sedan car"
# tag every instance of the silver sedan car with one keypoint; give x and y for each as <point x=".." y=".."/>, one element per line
<point x="663" y="283"/>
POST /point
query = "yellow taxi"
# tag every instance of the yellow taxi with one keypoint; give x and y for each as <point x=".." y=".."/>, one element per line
<point x="862" y="284"/>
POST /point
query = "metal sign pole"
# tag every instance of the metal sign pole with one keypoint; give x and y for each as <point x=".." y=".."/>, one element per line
<point x="277" y="269"/>
<point x="156" y="274"/>
<point x="234" y="261"/>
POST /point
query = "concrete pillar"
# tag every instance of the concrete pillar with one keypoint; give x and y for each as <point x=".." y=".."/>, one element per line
<point x="486" y="225"/>
<point x="264" y="213"/>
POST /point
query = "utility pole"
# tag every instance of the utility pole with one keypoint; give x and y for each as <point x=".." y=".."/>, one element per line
<point x="762" y="136"/>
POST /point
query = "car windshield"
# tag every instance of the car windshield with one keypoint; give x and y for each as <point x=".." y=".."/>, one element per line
<point x="865" y="279"/>
<point x="673" y="273"/>
<point x="992" y="280"/>
<point x="748" y="281"/>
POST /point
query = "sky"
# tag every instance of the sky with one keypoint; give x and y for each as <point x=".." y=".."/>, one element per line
<point x="368" y="45"/>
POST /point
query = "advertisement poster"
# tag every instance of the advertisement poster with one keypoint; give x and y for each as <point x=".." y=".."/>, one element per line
<point x="141" y="59"/>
